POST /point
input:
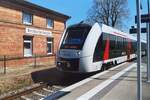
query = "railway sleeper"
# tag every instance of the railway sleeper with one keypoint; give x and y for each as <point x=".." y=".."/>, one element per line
<point x="47" y="90"/>
<point x="31" y="96"/>
<point x="39" y="94"/>
<point x="25" y="98"/>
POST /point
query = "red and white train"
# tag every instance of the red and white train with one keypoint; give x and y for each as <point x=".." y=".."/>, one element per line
<point x="85" y="48"/>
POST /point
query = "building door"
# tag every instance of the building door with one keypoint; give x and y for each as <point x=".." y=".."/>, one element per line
<point x="27" y="46"/>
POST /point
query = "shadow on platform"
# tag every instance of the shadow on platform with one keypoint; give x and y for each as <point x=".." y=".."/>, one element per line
<point x="55" y="77"/>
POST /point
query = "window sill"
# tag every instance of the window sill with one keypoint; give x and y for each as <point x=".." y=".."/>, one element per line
<point x="27" y="23"/>
<point x="26" y="56"/>
<point x="49" y="27"/>
<point x="49" y="53"/>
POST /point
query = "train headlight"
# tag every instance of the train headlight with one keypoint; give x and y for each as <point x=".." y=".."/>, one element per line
<point x="59" y="63"/>
<point x="78" y="53"/>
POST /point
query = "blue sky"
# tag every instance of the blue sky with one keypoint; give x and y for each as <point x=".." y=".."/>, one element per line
<point x="78" y="9"/>
<point x="132" y="9"/>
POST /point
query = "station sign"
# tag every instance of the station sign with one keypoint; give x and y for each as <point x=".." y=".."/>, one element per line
<point x="37" y="31"/>
<point x="145" y="18"/>
<point x="134" y="30"/>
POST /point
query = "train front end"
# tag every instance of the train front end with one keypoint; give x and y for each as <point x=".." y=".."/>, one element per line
<point x="71" y="56"/>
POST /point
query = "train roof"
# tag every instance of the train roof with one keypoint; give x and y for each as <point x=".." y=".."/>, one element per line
<point x="81" y="24"/>
<point x="107" y="29"/>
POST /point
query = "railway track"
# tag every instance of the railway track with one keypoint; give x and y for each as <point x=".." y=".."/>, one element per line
<point x="40" y="94"/>
<point x="36" y="93"/>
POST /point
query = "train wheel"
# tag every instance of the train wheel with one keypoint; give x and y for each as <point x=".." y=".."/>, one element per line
<point x="116" y="62"/>
<point x="103" y="67"/>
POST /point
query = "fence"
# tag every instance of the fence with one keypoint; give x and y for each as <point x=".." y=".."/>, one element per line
<point x="16" y="61"/>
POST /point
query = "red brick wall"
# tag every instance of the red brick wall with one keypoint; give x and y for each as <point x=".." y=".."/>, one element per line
<point x="56" y="41"/>
<point x="12" y="31"/>
<point x="30" y="62"/>
<point x="39" y="21"/>
<point x="13" y="13"/>
<point x="10" y="15"/>
<point x="39" y="45"/>
<point x="59" y="26"/>
<point x="40" y="61"/>
<point x="11" y="40"/>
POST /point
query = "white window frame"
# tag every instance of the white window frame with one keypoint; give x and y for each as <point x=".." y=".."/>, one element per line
<point x="52" y="22"/>
<point x="50" y="42"/>
<point x="28" y="41"/>
<point x="23" y="18"/>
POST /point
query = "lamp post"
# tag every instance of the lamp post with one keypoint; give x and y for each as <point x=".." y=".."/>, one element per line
<point x="148" y="46"/>
<point x="139" y="81"/>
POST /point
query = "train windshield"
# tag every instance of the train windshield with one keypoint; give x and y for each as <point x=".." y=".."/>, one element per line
<point x="74" y="37"/>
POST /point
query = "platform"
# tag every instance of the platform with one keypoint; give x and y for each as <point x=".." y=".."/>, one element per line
<point x="117" y="83"/>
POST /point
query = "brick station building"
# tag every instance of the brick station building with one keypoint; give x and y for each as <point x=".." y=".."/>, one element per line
<point x="27" y="29"/>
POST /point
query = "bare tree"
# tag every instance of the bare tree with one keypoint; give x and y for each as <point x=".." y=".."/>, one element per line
<point x="109" y="12"/>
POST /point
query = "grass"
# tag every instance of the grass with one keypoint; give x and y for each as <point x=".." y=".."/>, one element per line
<point x="15" y="83"/>
<point x="18" y="78"/>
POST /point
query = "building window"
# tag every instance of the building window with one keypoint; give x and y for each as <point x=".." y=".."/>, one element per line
<point x="50" y="23"/>
<point x="27" y="18"/>
<point x="49" y="45"/>
<point x="27" y="46"/>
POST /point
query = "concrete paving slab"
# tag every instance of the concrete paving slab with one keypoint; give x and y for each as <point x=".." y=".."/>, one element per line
<point x="126" y="88"/>
<point x="121" y="88"/>
<point x="75" y="93"/>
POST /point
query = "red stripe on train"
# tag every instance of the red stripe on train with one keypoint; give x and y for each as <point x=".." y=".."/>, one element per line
<point x="106" y="52"/>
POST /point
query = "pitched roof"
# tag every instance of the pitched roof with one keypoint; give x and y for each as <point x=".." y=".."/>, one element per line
<point x="40" y="8"/>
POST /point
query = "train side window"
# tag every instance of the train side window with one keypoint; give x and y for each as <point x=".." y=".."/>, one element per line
<point x="112" y="46"/>
<point x="105" y="36"/>
<point x="112" y="42"/>
<point x="123" y="44"/>
<point x="116" y="43"/>
<point x="126" y="43"/>
<point x="119" y="42"/>
<point x="119" y="45"/>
